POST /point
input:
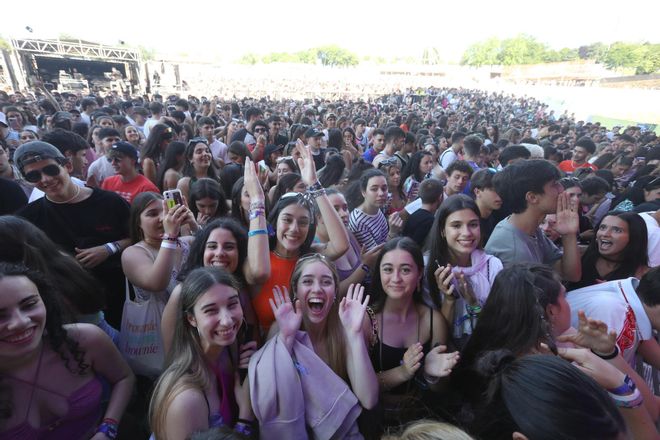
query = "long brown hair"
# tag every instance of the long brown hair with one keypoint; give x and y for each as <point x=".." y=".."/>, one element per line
<point x="333" y="328"/>
<point x="186" y="367"/>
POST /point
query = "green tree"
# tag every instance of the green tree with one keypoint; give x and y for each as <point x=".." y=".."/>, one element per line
<point x="248" y="58"/>
<point x="333" y="55"/>
<point x="482" y="54"/>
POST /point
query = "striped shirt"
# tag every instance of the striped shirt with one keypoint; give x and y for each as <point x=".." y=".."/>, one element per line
<point x="370" y="230"/>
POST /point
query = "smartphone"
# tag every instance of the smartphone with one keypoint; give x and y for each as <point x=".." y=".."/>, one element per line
<point x="263" y="166"/>
<point x="173" y="197"/>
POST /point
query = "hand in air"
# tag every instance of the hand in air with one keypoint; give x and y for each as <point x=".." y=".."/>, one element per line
<point x="287" y="314"/>
<point x="352" y="309"/>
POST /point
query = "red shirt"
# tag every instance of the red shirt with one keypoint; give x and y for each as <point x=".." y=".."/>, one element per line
<point x="568" y="166"/>
<point x="128" y="190"/>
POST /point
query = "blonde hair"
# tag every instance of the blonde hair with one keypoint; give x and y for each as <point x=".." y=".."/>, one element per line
<point x="336" y="343"/>
<point x="430" y="430"/>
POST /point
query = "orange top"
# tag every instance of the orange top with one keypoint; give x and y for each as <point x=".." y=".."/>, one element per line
<point x="280" y="275"/>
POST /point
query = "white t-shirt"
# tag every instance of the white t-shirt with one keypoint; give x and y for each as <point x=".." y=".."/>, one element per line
<point x="447" y="158"/>
<point x="100" y="169"/>
<point x="609" y="303"/>
<point x="219" y="150"/>
<point x="148" y="125"/>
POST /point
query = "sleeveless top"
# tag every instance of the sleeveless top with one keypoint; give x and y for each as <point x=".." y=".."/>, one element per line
<point x="79" y="422"/>
<point x="143" y="294"/>
<point x="385" y="357"/>
<point x="280" y="275"/>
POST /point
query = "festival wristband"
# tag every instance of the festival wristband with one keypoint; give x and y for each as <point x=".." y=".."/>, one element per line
<point x="254" y="232"/>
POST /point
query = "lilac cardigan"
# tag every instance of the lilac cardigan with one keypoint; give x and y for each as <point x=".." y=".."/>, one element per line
<point x="302" y="397"/>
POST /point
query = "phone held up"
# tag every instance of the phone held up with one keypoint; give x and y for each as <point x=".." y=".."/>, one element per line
<point x="173" y="197"/>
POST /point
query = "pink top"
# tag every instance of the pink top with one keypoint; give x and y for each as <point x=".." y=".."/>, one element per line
<point x="79" y="422"/>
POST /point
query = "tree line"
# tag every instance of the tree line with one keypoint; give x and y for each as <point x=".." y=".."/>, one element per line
<point x="525" y="49"/>
<point x="330" y="55"/>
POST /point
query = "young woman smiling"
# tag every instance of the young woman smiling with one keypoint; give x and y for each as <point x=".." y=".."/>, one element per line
<point x="340" y="329"/>
<point x="410" y="333"/>
<point x="224" y="243"/>
<point x="459" y="273"/>
<point x="200" y="164"/>
<point x="52" y="373"/>
<point x="201" y="387"/>
<point x="294" y="224"/>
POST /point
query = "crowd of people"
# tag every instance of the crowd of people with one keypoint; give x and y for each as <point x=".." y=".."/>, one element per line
<point x="440" y="264"/>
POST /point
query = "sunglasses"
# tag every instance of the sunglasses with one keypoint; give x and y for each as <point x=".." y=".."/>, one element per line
<point x="283" y="158"/>
<point x="259" y="130"/>
<point x="51" y="170"/>
<point x="388" y="162"/>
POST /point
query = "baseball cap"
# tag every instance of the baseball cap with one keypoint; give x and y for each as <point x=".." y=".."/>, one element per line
<point x="123" y="148"/>
<point x="270" y="149"/>
<point x="313" y="132"/>
<point x="35" y="151"/>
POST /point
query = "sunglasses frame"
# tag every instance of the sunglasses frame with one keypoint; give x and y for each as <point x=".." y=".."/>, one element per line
<point x="41" y="172"/>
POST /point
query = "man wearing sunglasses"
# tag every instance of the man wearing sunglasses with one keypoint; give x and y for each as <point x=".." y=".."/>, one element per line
<point x="89" y="223"/>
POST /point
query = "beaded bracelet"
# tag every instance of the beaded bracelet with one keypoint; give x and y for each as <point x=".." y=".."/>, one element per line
<point x="254" y="232"/>
<point x="257" y="205"/>
<point x="630" y="401"/>
<point x="317" y="193"/>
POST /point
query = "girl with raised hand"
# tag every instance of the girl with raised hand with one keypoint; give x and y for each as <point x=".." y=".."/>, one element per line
<point x="340" y="329"/>
<point x="224" y="243"/>
<point x="201" y="386"/>
<point x="294" y="226"/>
<point x="459" y="273"/>
<point x="52" y="373"/>
<point x="410" y="351"/>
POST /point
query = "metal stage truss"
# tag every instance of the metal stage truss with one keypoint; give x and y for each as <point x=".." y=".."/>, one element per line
<point x="77" y="49"/>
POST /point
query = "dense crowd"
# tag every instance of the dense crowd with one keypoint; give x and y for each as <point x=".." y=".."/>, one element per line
<point x="434" y="263"/>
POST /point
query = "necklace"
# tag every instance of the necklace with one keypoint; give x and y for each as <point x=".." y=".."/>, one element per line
<point x="68" y="200"/>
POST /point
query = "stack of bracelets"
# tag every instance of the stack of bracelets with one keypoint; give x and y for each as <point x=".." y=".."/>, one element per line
<point x="257" y="209"/>
<point x="109" y="428"/>
<point x="316" y="190"/>
<point x="112" y="247"/>
<point x="627" y="395"/>
<point x="170" y="242"/>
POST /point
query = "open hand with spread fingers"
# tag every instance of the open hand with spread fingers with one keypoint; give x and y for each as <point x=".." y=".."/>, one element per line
<point x="352" y="309"/>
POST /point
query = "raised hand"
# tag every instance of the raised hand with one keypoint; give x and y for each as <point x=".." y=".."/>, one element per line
<point x="412" y="359"/>
<point x="251" y="181"/>
<point x="592" y="334"/>
<point x="287" y="314"/>
<point x="370" y="256"/>
<point x="568" y="221"/>
<point x="438" y="363"/>
<point x="174" y="218"/>
<point x="306" y="164"/>
<point x="352" y="309"/>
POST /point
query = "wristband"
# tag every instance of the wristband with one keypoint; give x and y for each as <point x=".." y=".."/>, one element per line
<point x="243" y="427"/>
<point x="112" y="247"/>
<point x="259" y="204"/>
<point x="473" y="310"/>
<point x="365" y="268"/>
<point x="168" y="245"/>
<point x="108" y="428"/>
<point x="610" y="356"/>
<point x="633" y="400"/>
<point x="254" y="232"/>
<point x="257" y="212"/>
<point x="628" y="387"/>
<point x="170" y="237"/>
<point x="317" y="193"/>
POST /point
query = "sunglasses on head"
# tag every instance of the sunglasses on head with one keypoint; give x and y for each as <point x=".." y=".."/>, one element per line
<point x="51" y="170"/>
<point x="198" y="140"/>
<point x="388" y="162"/>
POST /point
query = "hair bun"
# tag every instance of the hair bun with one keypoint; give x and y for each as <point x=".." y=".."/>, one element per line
<point x="492" y="363"/>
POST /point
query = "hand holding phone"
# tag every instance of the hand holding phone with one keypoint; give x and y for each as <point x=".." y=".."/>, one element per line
<point x="173" y="197"/>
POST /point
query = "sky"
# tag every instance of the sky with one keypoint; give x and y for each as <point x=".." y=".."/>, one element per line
<point x="225" y="30"/>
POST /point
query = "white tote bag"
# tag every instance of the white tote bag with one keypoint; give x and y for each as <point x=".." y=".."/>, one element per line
<point x="140" y="339"/>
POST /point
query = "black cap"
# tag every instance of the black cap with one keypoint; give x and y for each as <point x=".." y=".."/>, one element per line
<point x="270" y="149"/>
<point x="35" y="151"/>
<point x="312" y="132"/>
<point x="123" y="148"/>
